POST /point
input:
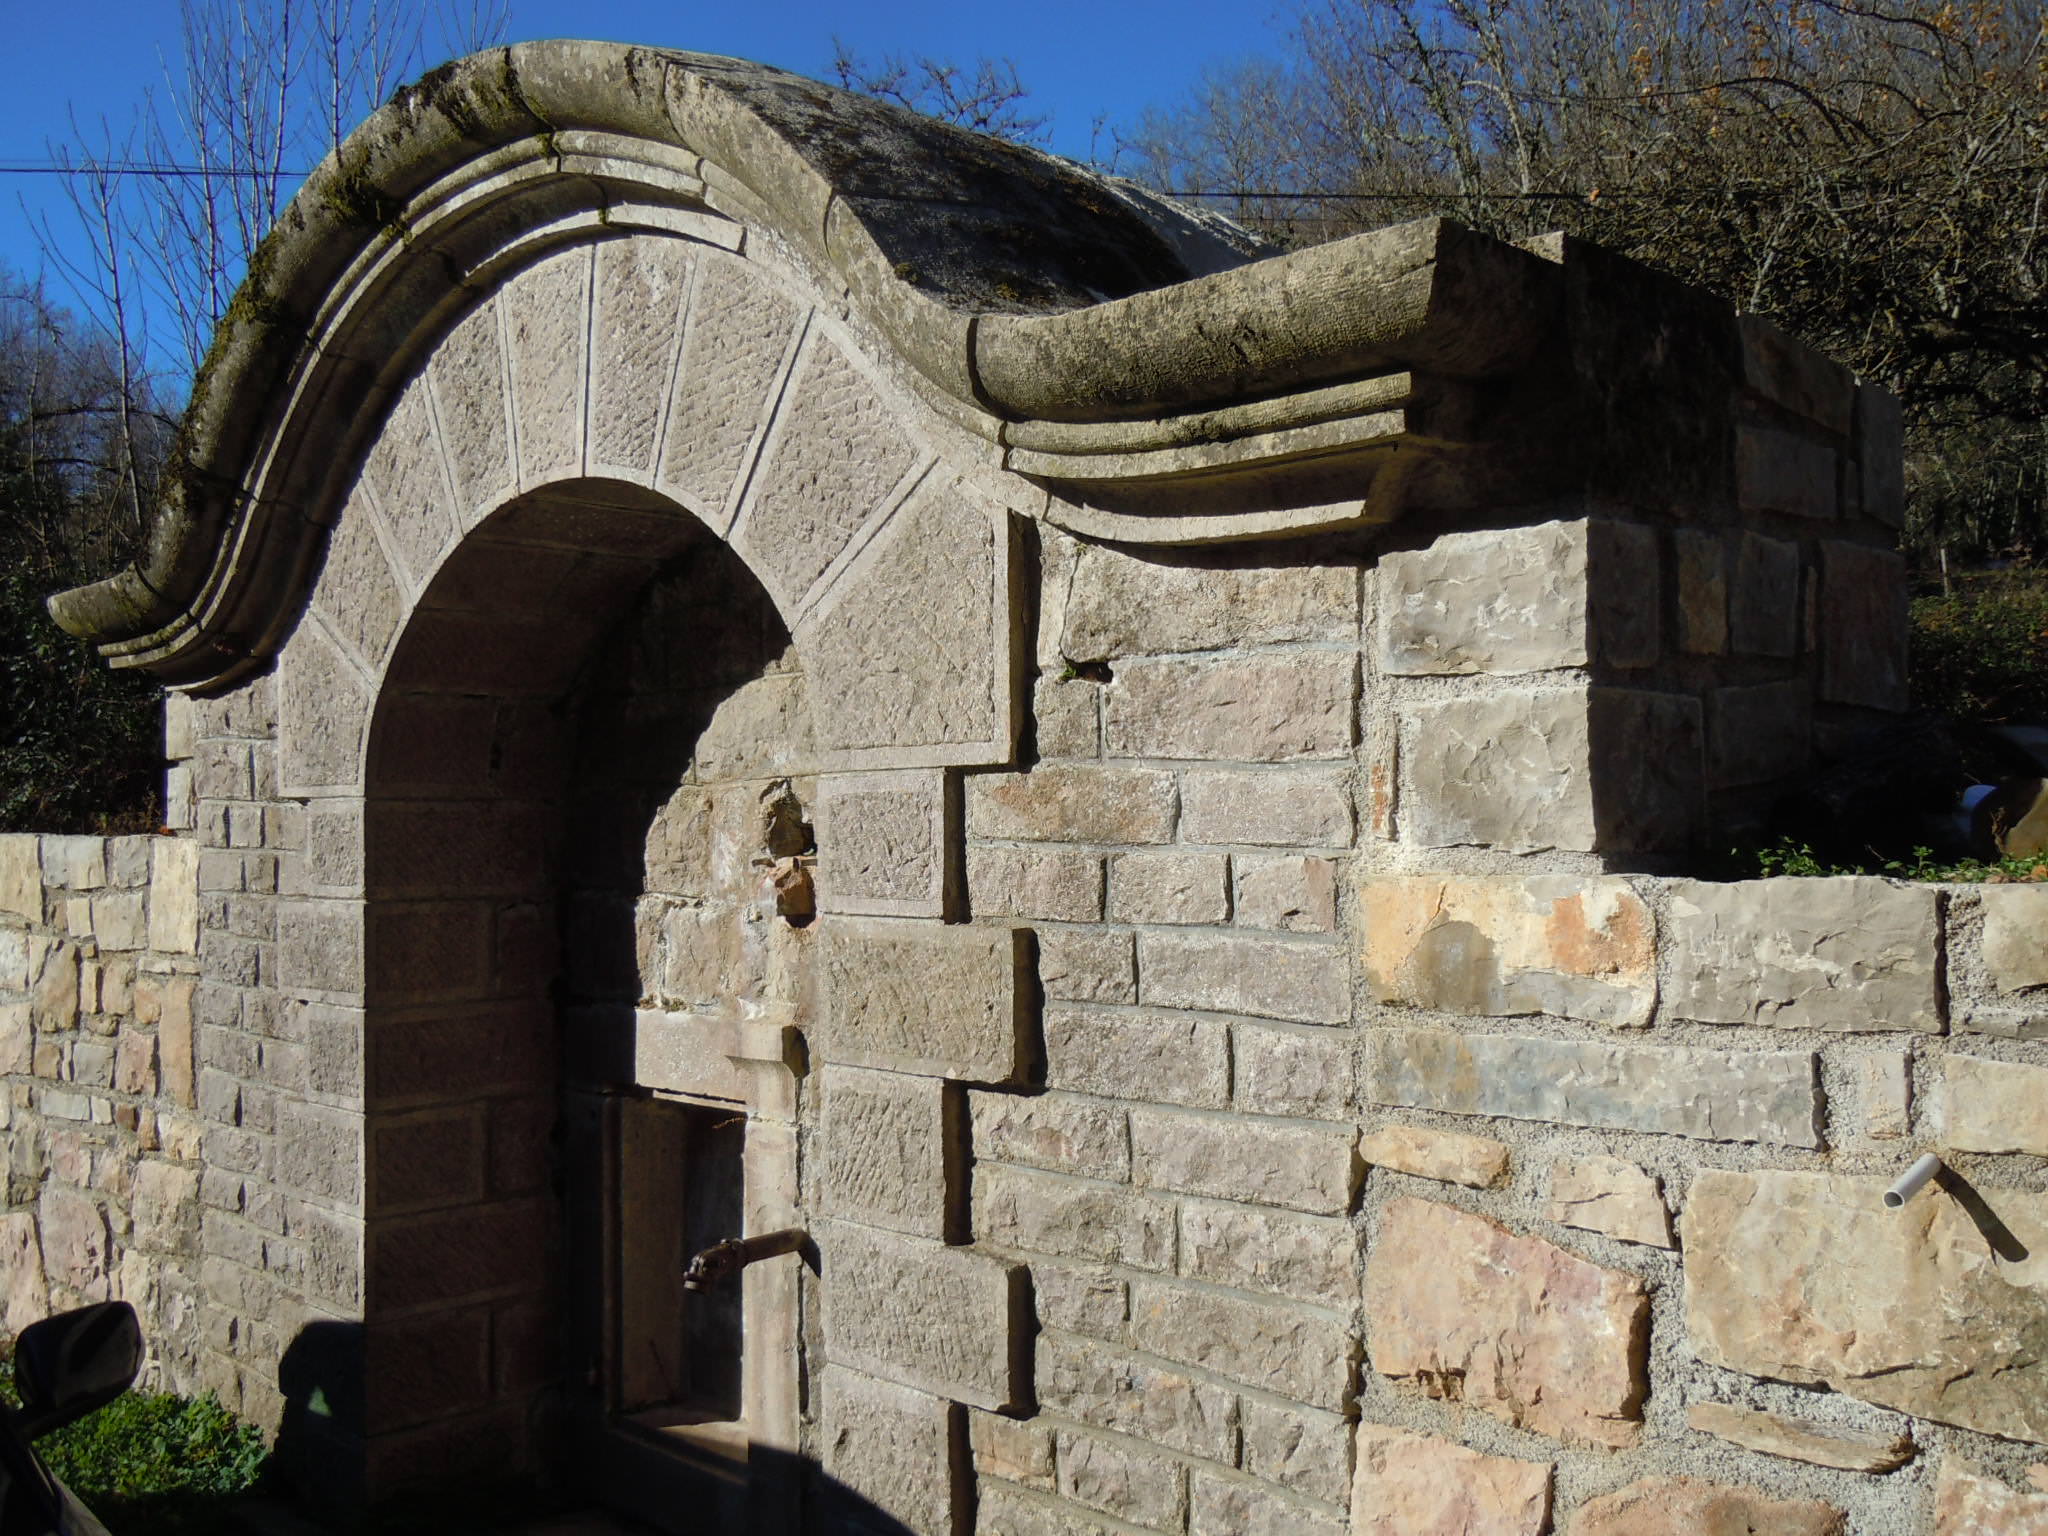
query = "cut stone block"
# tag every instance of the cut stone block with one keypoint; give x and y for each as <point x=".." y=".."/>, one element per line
<point x="1449" y="1156"/>
<point x="1994" y="1106"/>
<point x="174" y="895"/>
<point x="1685" y="1506"/>
<point x="1038" y="884"/>
<point x="1073" y="804"/>
<point x="1418" y="1485"/>
<point x="882" y="843"/>
<point x="1493" y="601"/>
<point x="1304" y="1168"/>
<point x="1763" y="605"/>
<point x="1293" y="1352"/>
<point x="1511" y="1325"/>
<point x="547" y="321"/>
<point x="1166" y="887"/>
<point x="1806" y="1277"/>
<point x="1771" y="1096"/>
<point x="1272" y="708"/>
<point x="896" y="1448"/>
<point x="1022" y="1208"/>
<point x="1056" y="1131"/>
<point x="1131" y="1053"/>
<point x="1779" y="471"/>
<point x="1291" y="893"/>
<point x="950" y="1321"/>
<point x="2016" y="936"/>
<point x="641" y="283"/>
<point x="1574" y="946"/>
<point x="924" y="998"/>
<point x="1121" y="603"/>
<point x="1851" y="953"/>
<point x="1307" y="1258"/>
<point x="894" y="1152"/>
<point x="1296" y="979"/>
<point x="1302" y="807"/>
<point x="1612" y="1197"/>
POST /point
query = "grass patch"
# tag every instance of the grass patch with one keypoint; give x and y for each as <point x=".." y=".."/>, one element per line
<point x="1786" y="857"/>
<point x="154" y="1464"/>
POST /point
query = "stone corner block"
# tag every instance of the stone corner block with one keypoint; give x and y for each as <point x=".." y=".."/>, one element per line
<point x="926" y="998"/>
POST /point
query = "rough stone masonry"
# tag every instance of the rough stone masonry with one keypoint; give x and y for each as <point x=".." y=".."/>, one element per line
<point x="743" y="660"/>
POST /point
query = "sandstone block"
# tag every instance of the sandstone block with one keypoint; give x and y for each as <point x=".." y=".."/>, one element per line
<point x="21" y="876"/>
<point x="1418" y="1485"/>
<point x="1454" y="1158"/>
<point x="1304" y="1168"/>
<point x="1763" y="604"/>
<point x="1258" y="709"/>
<point x="2016" y="936"/>
<point x="321" y="713"/>
<point x="1306" y="1073"/>
<point x="1006" y="1511"/>
<point x="1123" y="1478"/>
<point x="1116" y="1053"/>
<point x="1862" y="626"/>
<point x="1512" y="1325"/>
<point x="1222" y="1505"/>
<point x="1967" y="1503"/>
<point x="1162" y="887"/>
<point x="1293" y="1352"/>
<point x="1083" y="966"/>
<point x="1020" y="1208"/>
<point x="1090" y="1299"/>
<point x="17" y="1038"/>
<point x="1017" y="1452"/>
<point x="1610" y="1196"/>
<point x="1806" y="1277"/>
<point x="24" y="1293"/>
<point x="882" y="841"/>
<point x="1885" y="1090"/>
<point x="1779" y="471"/>
<point x="1116" y="1390"/>
<point x="174" y="895"/>
<point x="640" y="286"/>
<point x="1494" y="601"/>
<point x="1041" y="884"/>
<point x="546" y="312"/>
<point x="1297" y="979"/>
<point x="914" y="997"/>
<point x="893" y="1446"/>
<point x="894" y="1153"/>
<point x="467" y="372"/>
<point x="320" y="946"/>
<point x="1685" y="1506"/>
<point x="1066" y="715"/>
<point x="1580" y="947"/>
<point x="1308" y="1258"/>
<point x="1072" y="803"/>
<point x="1291" y="893"/>
<point x="77" y="1249"/>
<point x="1796" y="1440"/>
<point x="1771" y="1096"/>
<point x="1794" y="377"/>
<point x="1288" y="808"/>
<point x="75" y="863"/>
<point x="1702" y="592"/>
<point x="166" y="1207"/>
<point x="1994" y="1106"/>
<point x="1849" y="953"/>
<point x="1758" y="734"/>
<point x="1298" y="1448"/>
<point x="945" y="1320"/>
<point x="1054" y="1131"/>
<point x="1121" y="603"/>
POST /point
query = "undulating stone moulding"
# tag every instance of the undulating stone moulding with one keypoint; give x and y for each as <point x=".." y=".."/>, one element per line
<point x="744" y="660"/>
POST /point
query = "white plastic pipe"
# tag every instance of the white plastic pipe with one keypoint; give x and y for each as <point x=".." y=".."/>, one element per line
<point x="1912" y="1181"/>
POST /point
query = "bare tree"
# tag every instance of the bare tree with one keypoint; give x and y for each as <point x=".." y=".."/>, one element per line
<point x="989" y="99"/>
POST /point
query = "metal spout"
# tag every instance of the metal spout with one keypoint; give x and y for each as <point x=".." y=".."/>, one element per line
<point x="727" y="1258"/>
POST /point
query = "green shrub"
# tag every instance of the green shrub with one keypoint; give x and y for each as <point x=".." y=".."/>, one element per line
<point x="1980" y="651"/>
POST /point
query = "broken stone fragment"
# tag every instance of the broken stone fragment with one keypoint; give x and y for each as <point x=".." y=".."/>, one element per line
<point x="1607" y="1195"/>
<point x="1686" y="1506"/>
<point x="1447" y="1155"/>
<point x="1776" y="1435"/>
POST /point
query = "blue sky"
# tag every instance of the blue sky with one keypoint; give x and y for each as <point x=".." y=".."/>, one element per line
<point x="1081" y="58"/>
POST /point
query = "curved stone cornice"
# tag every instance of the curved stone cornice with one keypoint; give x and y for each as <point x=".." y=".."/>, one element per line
<point x="1129" y="355"/>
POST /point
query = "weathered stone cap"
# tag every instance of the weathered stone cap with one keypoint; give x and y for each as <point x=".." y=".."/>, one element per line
<point x="1015" y="286"/>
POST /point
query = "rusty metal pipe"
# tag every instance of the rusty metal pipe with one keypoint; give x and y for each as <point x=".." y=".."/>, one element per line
<point x="734" y="1254"/>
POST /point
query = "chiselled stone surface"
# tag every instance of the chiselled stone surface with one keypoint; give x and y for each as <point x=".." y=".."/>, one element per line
<point x="2016" y="936"/>
<point x="1132" y="1053"/>
<point x="1295" y="979"/>
<point x="1511" y="1325"/>
<point x="640" y="287"/>
<point x="1310" y="1258"/>
<point x="1994" y="1106"/>
<point x="1449" y="1156"/>
<point x="321" y="713"/>
<point x="1511" y="769"/>
<point x="1301" y="807"/>
<point x="1610" y="1196"/>
<point x="1086" y="966"/>
<point x="1850" y="953"/>
<point x="1169" y="888"/>
<point x="1299" y="1448"/>
<point x="916" y="997"/>
<point x="891" y="1157"/>
<point x="1223" y="1505"/>
<point x="1073" y="804"/>
<point x="1779" y="471"/>
<point x="1057" y="1131"/>
<point x="1269" y="708"/>
<point x="1928" y="1318"/>
<point x="1015" y="1451"/>
<point x="892" y="1446"/>
<point x="1121" y="604"/>
<point x="1301" y="1072"/>
<point x="1022" y="1208"/>
<point x="468" y="376"/>
<point x="24" y="1293"/>
<point x="358" y="592"/>
<point x="739" y="330"/>
<point x="1040" y="884"/>
<point x="1686" y="1506"/>
<point x="1794" y="377"/>
<point x="1418" y="1485"/>
<point x="547" y="310"/>
<point x="1288" y="892"/>
<point x="174" y="895"/>
<point x="1967" y="1503"/>
<point x="1577" y="947"/>
<point x="406" y="475"/>
<point x="1296" y="1353"/>
<point x="1702" y="592"/>
<point x="1800" y="1440"/>
<point x="1113" y="1389"/>
<point x="836" y="451"/>
<point x="1123" y="1478"/>
<point x="944" y="1320"/>
<point x="882" y="843"/>
<point x="1494" y="600"/>
<point x="1745" y="1095"/>
<point x="1305" y="1168"/>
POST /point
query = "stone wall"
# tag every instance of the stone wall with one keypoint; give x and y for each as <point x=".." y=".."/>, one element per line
<point x="98" y="968"/>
